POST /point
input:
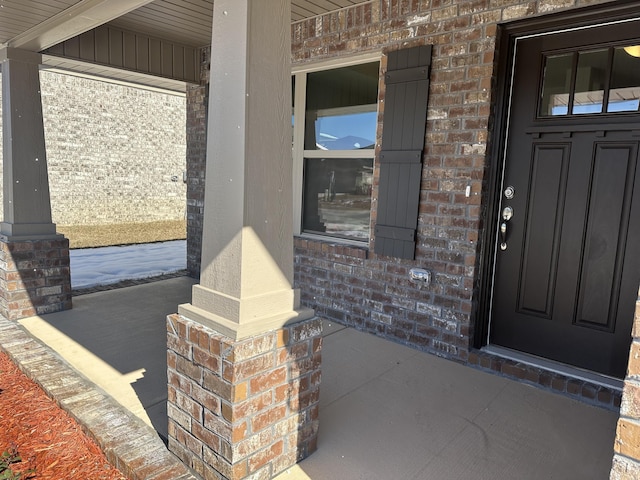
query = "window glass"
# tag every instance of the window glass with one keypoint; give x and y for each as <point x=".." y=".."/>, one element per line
<point x="337" y="196"/>
<point x="336" y="129"/>
<point x="591" y="76"/>
<point x="580" y="82"/>
<point x="341" y="108"/>
<point x="556" y="85"/>
<point x="340" y="122"/>
<point x="624" y="95"/>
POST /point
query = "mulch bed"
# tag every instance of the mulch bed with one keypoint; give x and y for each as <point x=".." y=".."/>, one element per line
<point x="50" y="442"/>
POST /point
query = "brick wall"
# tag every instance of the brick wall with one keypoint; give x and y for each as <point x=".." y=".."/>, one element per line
<point x="354" y="286"/>
<point x="626" y="461"/>
<point x="197" y="99"/>
<point x="112" y="151"/>
<point x="246" y="408"/>
<point x="34" y="277"/>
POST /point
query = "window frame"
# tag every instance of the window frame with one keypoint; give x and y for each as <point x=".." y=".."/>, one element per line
<point x="299" y="73"/>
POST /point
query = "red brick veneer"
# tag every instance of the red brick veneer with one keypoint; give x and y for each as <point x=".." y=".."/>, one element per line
<point x="626" y="461"/>
<point x="247" y="407"/>
<point x="34" y="277"/>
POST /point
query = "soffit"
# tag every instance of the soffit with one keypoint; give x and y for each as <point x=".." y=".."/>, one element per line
<point x="37" y="25"/>
<point x="189" y="21"/>
<point x="18" y="16"/>
<point x="183" y="21"/>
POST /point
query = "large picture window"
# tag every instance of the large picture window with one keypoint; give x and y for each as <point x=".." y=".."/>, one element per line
<point x="336" y="117"/>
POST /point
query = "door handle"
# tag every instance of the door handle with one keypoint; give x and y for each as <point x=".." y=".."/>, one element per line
<point x="507" y="213"/>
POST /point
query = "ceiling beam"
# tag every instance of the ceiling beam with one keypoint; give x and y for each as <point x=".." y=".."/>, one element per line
<point x="81" y="17"/>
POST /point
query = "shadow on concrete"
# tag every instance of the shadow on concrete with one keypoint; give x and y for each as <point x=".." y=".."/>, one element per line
<point x="386" y="411"/>
<point x="117" y="339"/>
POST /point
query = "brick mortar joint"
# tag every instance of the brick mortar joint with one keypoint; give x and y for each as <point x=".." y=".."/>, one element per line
<point x="632" y="420"/>
<point x="633" y="380"/>
<point x="500" y="363"/>
<point x="620" y="456"/>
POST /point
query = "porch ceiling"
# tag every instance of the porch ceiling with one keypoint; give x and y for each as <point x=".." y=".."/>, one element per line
<point x="38" y="25"/>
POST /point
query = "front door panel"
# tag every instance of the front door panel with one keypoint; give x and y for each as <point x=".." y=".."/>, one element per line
<point x="567" y="264"/>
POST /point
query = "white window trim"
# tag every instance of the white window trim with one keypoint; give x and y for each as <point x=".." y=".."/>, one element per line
<point x="298" y="152"/>
<point x="337" y="63"/>
<point x="367" y="153"/>
<point x="329" y="112"/>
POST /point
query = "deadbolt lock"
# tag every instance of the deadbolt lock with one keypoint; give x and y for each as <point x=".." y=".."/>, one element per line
<point x="509" y="192"/>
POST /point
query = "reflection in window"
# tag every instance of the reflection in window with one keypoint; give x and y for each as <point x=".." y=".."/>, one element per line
<point x="345" y="129"/>
<point x="624" y="95"/>
<point x="557" y="84"/>
<point x="341" y="108"/>
<point x="580" y="83"/>
<point x="590" y="82"/>
<point x="337" y="196"/>
<point x="339" y="141"/>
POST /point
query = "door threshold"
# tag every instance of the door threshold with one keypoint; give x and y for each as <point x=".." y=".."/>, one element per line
<point x="555" y="367"/>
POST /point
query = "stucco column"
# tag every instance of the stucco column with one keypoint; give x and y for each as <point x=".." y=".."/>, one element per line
<point x="27" y="206"/>
<point x="34" y="260"/>
<point x="246" y="283"/>
<point x="243" y="357"/>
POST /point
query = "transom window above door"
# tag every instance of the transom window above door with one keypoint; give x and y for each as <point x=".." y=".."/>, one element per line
<point x="590" y="82"/>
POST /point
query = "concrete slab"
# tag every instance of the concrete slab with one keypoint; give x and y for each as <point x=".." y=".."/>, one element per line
<point x="331" y="328"/>
<point x="117" y="338"/>
<point x="358" y="359"/>
<point x="426" y="418"/>
<point x="387" y="411"/>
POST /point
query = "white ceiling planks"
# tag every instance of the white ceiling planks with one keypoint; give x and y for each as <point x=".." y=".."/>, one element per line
<point x="182" y="21"/>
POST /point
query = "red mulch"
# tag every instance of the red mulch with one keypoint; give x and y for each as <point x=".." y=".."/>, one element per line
<point x="49" y="441"/>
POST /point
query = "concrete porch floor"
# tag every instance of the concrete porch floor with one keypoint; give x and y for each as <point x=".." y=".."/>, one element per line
<point x="386" y="411"/>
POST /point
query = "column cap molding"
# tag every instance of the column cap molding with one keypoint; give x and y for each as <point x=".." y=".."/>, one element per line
<point x="28" y="231"/>
<point x="237" y="331"/>
<point x="19" y="55"/>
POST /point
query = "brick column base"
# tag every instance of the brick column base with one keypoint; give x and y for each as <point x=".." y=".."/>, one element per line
<point x="35" y="277"/>
<point x="243" y="408"/>
<point x="626" y="460"/>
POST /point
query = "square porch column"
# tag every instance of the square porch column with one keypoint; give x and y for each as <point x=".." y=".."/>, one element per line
<point x="244" y="357"/>
<point x="34" y="259"/>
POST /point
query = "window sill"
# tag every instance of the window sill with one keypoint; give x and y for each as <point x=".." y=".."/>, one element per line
<point x="341" y="246"/>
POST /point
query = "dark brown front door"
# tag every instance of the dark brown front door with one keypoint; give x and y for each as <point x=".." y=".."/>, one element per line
<point x="567" y="266"/>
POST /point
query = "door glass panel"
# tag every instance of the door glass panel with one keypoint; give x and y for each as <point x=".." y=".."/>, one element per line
<point x="578" y="83"/>
<point x="590" y="81"/>
<point x="624" y="95"/>
<point x="556" y="85"/>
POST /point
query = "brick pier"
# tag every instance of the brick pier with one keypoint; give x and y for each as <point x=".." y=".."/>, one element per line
<point x="243" y="408"/>
<point x="34" y="277"/>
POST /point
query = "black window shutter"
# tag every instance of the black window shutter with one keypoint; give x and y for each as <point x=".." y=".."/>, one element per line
<point x="403" y="132"/>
